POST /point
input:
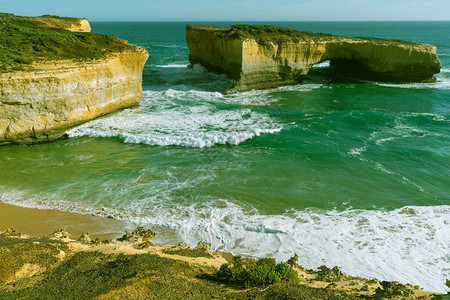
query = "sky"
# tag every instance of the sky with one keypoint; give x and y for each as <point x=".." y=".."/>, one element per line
<point x="234" y="10"/>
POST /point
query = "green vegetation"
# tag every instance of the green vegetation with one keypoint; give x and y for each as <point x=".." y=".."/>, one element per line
<point x="329" y="275"/>
<point x="15" y="252"/>
<point x="392" y="289"/>
<point x="269" y="33"/>
<point x="27" y="40"/>
<point x="248" y="272"/>
<point x="264" y="33"/>
<point x="268" y="29"/>
<point x="60" y="18"/>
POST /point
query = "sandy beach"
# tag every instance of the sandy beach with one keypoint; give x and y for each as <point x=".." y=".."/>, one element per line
<point x="39" y="222"/>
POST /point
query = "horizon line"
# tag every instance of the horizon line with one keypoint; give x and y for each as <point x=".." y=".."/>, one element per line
<point x="192" y="20"/>
<point x="103" y="20"/>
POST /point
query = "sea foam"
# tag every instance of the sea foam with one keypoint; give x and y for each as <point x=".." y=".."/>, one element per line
<point x="442" y="83"/>
<point x="409" y="244"/>
<point x="171" y="66"/>
<point x="183" y="118"/>
<point x="324" y="64"/>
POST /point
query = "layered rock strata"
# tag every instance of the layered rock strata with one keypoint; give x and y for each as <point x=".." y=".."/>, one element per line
<point x="259" y="57"/>
<point x="39" y="106"/>
<point x="39" y="102"/>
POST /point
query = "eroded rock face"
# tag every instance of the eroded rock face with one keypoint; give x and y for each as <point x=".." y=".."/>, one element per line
<point x="259" y="57"/>
<point x="39" y="106"/>
<point x="82" y="26"/>
<point x="71" y="24"/>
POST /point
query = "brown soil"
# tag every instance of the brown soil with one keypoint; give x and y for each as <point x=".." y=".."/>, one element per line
<point x="56" y="267"/>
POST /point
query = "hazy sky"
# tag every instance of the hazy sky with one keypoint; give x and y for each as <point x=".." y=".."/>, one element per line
<point x="234" y="10"/>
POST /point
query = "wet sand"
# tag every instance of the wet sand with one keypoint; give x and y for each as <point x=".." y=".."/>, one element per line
<point x="39" y="222"/>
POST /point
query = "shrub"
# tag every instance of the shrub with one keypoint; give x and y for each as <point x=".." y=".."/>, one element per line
<point x="25" y="40"/>
<point x="248" y="272"/>
<point x="391" y="289"/>
<point x="329" y="275"/>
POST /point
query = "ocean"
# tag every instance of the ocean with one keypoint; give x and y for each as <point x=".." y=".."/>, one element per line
<point x="339" y="171"/>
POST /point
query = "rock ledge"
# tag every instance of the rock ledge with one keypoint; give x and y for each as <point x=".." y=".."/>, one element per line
<point x="260" y="57"/>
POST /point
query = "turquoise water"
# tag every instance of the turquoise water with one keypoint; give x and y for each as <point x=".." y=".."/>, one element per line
<point x="340" y="171"/>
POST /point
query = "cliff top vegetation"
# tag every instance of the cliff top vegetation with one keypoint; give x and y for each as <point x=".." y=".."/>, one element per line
<point x="112" y="269"/>
<point x="271" y="32"/>
<point x="264" y="33"/>
<point x="26" y="40"/>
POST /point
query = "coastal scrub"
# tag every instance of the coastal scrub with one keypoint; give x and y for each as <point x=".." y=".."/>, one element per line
<point x="249" y="272"/>
<point x="24" y="41"/>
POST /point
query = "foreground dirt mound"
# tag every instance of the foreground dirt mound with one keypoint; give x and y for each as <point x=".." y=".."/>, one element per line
<point x="57" y="267"/>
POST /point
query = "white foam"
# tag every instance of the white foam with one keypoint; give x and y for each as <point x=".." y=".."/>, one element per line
<point x="410" y="244"/>
<point x="441" y="83"/>
<point x="324" y="64"/>
<point x="182" y="118"/>
<point x="303" y="87"/>
<point x="400" y="130"/>
<point x="171" y="66"/>
<point x="435" y="117"/>
<point x="55" y="201"/>
<point x="193" y="94"/>
<point x="356" y="151"/>
<point x="170" y="46"/>
<point x="379" y="166"/>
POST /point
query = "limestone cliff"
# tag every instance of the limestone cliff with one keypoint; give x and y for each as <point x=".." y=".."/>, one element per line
<point x="259" y="57"/>
<point x="39" y="106"/>
<point x="44" y="96"/>
<point x="71" y="24"/>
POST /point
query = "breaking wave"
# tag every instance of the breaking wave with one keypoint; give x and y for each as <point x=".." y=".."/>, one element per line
<point x="403" y="244"/>
<point x="183" y="118"/>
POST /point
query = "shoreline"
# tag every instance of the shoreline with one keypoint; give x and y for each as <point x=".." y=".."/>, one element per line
<point x="106" y="244"/>
<point x="132" y="267"/>
<point x="39" y="222"/>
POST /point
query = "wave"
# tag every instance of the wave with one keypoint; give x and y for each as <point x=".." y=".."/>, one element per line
<point x="171" y="66"/>
<point x="410" y="244"/>
<point x="399" y="131"/>
<point x="182" y="118"/>
<point x="405" y="127"/>
<point x="179" y="74"/>
<point x="408" y="131"/>
<point x="324" y="64"/>
<point x="442" y="83"/>
<point x="434" y="117"/>
<point x="356" y="151"/>
<point x="170" y="46"/>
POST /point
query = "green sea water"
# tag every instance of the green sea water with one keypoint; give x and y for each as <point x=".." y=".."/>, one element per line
<point x="340" y="171"/>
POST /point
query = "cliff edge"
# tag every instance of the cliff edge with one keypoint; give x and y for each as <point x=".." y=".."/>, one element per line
<point x="71" y="24"/>
<point x="52" y="78"/>
<point x="260" y="57"/>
